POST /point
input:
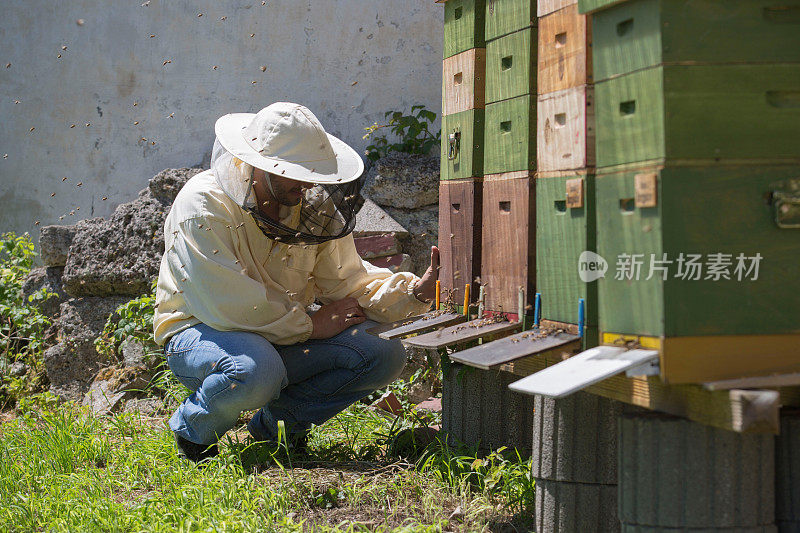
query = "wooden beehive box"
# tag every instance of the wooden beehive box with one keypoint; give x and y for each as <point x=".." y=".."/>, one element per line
<point x="508" y="252"/>
<point x="508" y="16"/>
<point x="733" y="112"/>
<point x="565" y="229"/>
<point x="565" y="124"/>
<point x="565" y="58"/>
<point x="463" y="26"/>
<point x="675" y="221"/>
<point x="460" y="225"/>
<point x="511" y="65"/>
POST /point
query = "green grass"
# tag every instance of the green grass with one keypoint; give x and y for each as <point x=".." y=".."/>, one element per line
<point x="62" y="469"/>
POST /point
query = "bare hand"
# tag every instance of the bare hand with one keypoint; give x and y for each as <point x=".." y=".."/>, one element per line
<point x="425" y="289"/>
<point x="335" y="317"/>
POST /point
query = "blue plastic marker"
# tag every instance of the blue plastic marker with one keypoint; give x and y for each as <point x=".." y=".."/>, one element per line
<point x="537" y="309"/>
<point x="581" y="316"/>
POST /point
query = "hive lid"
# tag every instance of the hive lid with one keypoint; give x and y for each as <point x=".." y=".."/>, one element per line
<point x="586" y="368"/>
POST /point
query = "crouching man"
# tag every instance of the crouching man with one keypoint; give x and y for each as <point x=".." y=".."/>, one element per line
<point x="250" y="244"/>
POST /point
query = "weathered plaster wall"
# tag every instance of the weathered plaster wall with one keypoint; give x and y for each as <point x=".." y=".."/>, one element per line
<point x="349" y="61"/>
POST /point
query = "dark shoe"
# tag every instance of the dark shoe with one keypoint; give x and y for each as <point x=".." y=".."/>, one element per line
<point x="196" y="453"/>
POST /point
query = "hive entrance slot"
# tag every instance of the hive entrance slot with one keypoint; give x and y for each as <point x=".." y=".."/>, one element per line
<point x="505" y="207"/>
<point x="627" y="108"/>
<point x="624" y="27"/>
<point x="561" y="39"/>
<point x="456" y="208"/>
<point x="459" y="11"/>
<point x="561" y="120"/>
<point x="561" y="206"/>
<point x="627" y="205"/>
<point x="506" y="62"/>
<point x="505" y="126"/>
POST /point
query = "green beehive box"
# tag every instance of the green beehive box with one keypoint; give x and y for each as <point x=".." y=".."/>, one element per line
<point x="510" y="135"/>
<point x="511" y="65"/>
<point x="462" y="145"/>
<point x="565" y="228"/>
<point x="464" y="26"/>
<point x="728" y="210"/>
<point x="735" y="112"/>
<point x="643" y="33"/>
<point x="589" y="6"/>
<point x="507" y="16"/>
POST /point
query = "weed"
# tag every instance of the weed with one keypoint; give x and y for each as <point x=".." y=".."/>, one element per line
<point x="412" y="132"/>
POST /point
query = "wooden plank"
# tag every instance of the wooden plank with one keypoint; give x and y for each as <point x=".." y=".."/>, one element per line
<point x="756" y="382"/>
<point x="467" y="160"/>
<point x="653" y="114"/>
<point x="464" y="81"/>
<point x="712" y="357"/>
<point x="545" y="7"/>
<point x="511" y="65"/>
<point x="464" y="22"/>
<point x="460" y="214"/>
<point x="376" y="245"/>
<point x="491" y="354"/>
<point x="564" y="59"/>
<point x="460" y="333"/>
<point x="565" y="129"/>
<point x="562" y="235"/>
<point x="578" y="372"/>
<point x="714" y="408"/>
<point x="642" y="34"/>
<point x="507" y="16"/>
<point x="423" y="324"/>
<point x="510" y="135"/>
<point x="508" y="252"/>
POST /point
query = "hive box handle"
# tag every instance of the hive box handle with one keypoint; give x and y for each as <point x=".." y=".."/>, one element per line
<point x="782" y="14"/>
<point x="624" y="27"/>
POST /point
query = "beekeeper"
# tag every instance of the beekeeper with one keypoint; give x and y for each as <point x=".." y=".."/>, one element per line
<point x="250" y="245"/>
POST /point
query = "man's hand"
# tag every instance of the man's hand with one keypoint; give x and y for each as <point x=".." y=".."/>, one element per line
<point x="335" y="317"/>
<point x="425" y="289"/>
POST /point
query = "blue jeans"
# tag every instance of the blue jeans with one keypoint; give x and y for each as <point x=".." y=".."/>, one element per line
<point x="301" y="384"/>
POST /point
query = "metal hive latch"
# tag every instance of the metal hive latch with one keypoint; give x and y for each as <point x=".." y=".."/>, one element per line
<point x="454" y="142"/>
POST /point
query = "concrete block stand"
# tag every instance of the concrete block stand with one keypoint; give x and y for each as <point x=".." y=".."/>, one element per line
<point x="678" y="475"/>
<point x="575" y="463"/>
<point x="787" y="473"/>
<point x="479" y="409"/>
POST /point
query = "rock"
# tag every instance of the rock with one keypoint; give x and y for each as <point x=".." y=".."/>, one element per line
<point x="403" y="180"/>
<point x="121" y="256"/>
<point x="114" y="385"/>
<point x="45" y="278"/>
<point x="133" y="353"/>
<point x="423" y="232"/>
<point x="165" y="185"/>
<point x="144" y="406"/>
<point x="72" y="362"/>
<point x="54" y="243"/>
<point x="18" y="369"/>
<point x="431" y="404"/>
<point x="372" y="220"/>
<point x="102" y="400"/>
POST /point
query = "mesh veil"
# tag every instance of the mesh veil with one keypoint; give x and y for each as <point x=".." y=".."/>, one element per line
<point x="326" y="212"/>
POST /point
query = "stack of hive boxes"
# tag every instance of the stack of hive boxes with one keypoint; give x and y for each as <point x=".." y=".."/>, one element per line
<point x="698" y="181"/>
<point x="565" y="179"/>
<point x="508" y="249"/>
<point x="462" y="157"/>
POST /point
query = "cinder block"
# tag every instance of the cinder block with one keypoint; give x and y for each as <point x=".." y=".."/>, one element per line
<point x="787" y="473"/>
<point x="674" y="473"/>
<point x="479" y="409"/>
<point x="575" y="438"/>
<point x="564" y="507"/>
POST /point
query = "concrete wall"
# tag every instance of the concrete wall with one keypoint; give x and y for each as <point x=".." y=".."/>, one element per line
<point x="349" y="61"/>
